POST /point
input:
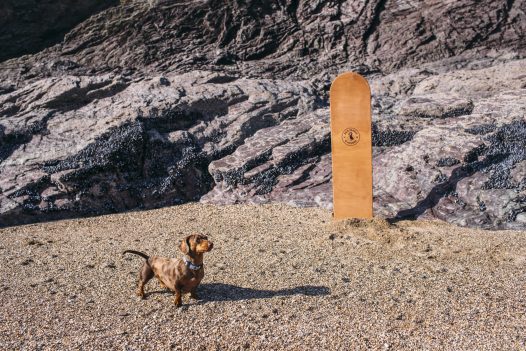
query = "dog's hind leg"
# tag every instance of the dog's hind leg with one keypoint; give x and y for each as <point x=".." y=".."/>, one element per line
<point x="145" y="275"/>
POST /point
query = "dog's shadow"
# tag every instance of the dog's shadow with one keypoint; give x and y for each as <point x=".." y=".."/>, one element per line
<point x="209" y="292"/>
<point x="228" y="292"/>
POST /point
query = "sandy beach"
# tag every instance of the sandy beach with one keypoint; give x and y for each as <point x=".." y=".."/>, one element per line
<point x="278" y="278"/>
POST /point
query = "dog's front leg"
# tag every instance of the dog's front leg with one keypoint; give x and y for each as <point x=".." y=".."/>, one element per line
<point x="193" y="294"/>
<point x="177" y="300"/>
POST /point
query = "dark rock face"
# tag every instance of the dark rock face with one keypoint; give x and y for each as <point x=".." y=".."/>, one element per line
<point x="27" y="26"/>
<point x="153" y="103"/>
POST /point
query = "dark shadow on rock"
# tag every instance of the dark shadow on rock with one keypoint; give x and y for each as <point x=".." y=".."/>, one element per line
<point x="228" y="292"/>
<point x="29" y="26"/>
<point x="441" y="190"/>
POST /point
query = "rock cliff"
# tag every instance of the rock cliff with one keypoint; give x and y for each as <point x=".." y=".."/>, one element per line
<point x="153" y="103"/>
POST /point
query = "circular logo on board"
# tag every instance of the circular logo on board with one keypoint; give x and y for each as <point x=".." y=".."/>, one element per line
<point x="350" y="136"/>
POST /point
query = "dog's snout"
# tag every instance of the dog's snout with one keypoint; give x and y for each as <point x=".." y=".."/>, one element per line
<point x="210" y="245"/>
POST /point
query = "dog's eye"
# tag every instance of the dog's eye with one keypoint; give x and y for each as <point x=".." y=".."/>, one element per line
<point x="198" y="240"/>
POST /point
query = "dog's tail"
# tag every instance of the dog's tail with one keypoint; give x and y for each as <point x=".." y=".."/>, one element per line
<point x="145" y="256"/>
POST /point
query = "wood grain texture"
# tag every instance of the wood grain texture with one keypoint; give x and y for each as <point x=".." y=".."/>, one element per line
<point x="352" y="176"/>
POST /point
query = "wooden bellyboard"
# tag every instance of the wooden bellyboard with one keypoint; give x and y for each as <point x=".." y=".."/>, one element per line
<point x="352" y="170"/>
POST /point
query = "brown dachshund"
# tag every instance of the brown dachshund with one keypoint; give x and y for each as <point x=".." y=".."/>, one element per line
<point x="179" y="275"/>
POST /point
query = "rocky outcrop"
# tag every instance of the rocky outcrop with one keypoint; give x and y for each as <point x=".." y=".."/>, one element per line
<point x="153" y="103"/>
<point x="90" y="145"/>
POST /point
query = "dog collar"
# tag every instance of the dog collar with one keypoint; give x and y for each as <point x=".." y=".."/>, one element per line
<point x="192" y="266"/>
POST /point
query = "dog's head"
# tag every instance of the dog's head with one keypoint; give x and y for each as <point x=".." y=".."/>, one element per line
<point x="195" y="244"/>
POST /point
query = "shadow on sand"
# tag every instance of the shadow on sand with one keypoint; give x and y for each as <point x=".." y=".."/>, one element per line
<point x="227" y="292"/>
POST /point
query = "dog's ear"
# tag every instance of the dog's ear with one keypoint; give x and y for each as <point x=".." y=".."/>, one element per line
<point x="185" y="246"/>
